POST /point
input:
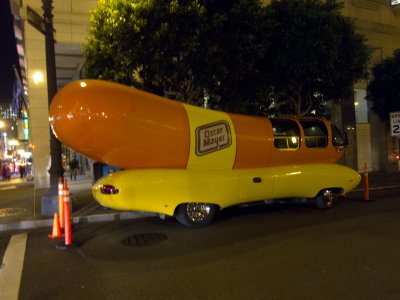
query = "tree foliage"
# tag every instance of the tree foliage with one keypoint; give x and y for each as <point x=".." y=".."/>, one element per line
<point x="189" y="50"/>
<point x="237" y="54"/>
<point x="313" y="54"/>
<point x="384" y="89"/>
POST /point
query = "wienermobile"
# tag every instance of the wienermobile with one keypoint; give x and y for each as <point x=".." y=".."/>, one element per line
<point x="189" y="162"/>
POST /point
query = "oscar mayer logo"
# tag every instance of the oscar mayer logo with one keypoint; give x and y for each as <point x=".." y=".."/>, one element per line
<point x="213" y="137"/>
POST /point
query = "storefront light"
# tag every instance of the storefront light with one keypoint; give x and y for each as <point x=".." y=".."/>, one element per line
<point x="27" y="154"/>
<point x="13" y="143"/>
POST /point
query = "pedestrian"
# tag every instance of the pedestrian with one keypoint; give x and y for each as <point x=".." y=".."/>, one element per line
<point x="73" y="167"/>
<point x="22" y="171"/>
<point x="6" y="172"/>
<point x="73" y="174"/>
<point x="3" y="172"/>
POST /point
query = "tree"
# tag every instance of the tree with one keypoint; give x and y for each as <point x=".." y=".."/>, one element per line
<point x="188" y="50"/>
<point x="240" y="56"/>
<point x="384" y="89"/>
<point x="313" y="54"/>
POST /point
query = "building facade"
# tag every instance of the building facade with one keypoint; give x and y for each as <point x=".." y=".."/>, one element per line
<point x="379" y="21"/>
<point x="70" y="21"/>
<point x="370" y="141"/>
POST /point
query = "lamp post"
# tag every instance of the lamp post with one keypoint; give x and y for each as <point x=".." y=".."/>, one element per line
<point x="49" y="203"/>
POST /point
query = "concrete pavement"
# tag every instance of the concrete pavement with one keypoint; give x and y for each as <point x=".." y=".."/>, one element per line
<point x="20" y="202"/>
<point x="20" y="205"/>
<point x="257" y="252"/>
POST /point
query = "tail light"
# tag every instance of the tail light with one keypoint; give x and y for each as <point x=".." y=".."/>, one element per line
<point x="108" y="189"/>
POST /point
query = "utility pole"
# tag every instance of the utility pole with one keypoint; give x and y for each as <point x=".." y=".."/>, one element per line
<point x="49" y="204"/>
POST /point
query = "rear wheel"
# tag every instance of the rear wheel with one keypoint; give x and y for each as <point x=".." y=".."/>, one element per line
<point x="325" y="199"/>
<point x="195" y="214"/>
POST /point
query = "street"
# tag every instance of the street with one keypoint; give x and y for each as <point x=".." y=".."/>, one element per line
<point x="257" y="252"/>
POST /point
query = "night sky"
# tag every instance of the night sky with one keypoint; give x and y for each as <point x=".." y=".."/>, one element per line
<point x="8" y="52"/>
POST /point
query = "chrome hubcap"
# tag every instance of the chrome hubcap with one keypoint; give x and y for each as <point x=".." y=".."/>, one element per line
<point x="328" y="198"/>
<point x="197" y="212"/>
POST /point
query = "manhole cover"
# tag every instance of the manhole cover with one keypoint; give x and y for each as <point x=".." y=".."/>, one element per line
<point x="144" y="239"/>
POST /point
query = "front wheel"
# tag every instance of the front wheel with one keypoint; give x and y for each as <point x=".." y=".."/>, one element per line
<point x="325" y="199"/>
<point x="195" y="214"/>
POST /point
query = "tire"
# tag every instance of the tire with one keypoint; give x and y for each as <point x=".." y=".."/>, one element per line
<point x="195" y="214"/>
<point x="325" y="199"/>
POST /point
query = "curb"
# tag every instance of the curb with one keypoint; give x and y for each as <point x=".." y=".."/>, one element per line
<point x="110" y="217"/>
<point x="23" y="225"/>
<point x="387" y="187"/>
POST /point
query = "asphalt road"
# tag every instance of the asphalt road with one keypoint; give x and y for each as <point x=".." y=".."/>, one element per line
<point x="263" y="252"/>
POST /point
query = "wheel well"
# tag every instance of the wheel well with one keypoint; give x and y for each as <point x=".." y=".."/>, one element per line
<point x="336" y="190"/>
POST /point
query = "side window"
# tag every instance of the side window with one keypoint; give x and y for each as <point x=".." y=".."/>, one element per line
<point x="315" y="133"/>
<point x="286" y="134"/>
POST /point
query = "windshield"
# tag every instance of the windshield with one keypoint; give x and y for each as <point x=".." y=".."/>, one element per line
<point x="337" y="137"/>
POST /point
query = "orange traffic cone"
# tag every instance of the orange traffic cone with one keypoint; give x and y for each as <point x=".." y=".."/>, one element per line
<point x="56" y="228"/>
<point x="67" y="216"/>
<point x="60" y="200"/>
<point x="67" y="219"/>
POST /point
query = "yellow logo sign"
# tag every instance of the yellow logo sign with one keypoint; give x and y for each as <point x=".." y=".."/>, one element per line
<point x="213" y="137"/>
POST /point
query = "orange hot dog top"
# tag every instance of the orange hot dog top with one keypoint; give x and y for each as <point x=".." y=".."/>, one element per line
<point x="129" y="128"/>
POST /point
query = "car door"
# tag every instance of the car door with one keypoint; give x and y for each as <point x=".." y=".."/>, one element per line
<point x="255" y="184"/>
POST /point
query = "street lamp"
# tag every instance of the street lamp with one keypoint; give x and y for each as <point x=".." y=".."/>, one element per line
<point x="49" y="204"/>
<point x="37" y="77"/>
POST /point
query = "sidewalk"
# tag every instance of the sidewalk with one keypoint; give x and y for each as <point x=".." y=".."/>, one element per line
<point x="380" y="180"/>
<point x="14" y="180"/>
<point x="20" y="208"/>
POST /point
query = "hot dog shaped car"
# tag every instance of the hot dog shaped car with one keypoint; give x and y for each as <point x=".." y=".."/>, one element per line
<point x="186" y="161"/>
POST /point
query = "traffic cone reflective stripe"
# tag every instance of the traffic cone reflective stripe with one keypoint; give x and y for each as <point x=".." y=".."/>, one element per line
<point x="57" y="233"/>
<point x="60" y="201"/>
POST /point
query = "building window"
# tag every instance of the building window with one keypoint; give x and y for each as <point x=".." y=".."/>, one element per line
<point x="361" y="106"/>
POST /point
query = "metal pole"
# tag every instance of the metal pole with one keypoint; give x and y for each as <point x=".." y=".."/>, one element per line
<point x="50" y="199"/>
<point x="366" y="184"/>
